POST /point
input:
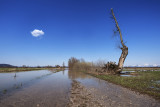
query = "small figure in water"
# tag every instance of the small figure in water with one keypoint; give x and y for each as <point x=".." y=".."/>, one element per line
<point x="15" y="75"/>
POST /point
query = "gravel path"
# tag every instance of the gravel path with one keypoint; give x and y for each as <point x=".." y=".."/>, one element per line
<point x="80" y="97"/>
<point x="107" y="95"/>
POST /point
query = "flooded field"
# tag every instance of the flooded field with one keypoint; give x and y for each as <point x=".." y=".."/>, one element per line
<point x="44" y="87"/>
<point x="11" y="81"/>
<point x="47" y="88"/>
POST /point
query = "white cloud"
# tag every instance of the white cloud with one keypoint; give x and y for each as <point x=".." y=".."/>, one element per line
<point x="37" y="33"/>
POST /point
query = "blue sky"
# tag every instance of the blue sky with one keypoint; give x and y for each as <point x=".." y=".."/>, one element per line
<point x="79" y="28"/>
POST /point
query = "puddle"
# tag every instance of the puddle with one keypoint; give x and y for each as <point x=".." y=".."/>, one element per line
<point x="127" y="72"/>
<point x="127" y="75"/>
<point x="158" y="81"/>
<point x="155" y="88"/>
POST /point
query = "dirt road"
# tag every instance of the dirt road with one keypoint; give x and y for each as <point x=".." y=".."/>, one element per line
<point x="108" y="96"/>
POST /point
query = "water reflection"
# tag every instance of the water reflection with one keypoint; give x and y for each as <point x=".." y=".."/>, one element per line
<point x="127" y="75"/>
<point x="73" y="74"/>
<point x="47" y="89"/>
<point x="11" y="81"/>
<point x="158" y="81"/>
<point x="85" y="79"/>
<point x="127" y="72"/>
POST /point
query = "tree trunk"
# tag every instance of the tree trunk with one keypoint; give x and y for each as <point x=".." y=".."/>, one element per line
<point x="124" y="47"/>
<point x="122" y="59"/>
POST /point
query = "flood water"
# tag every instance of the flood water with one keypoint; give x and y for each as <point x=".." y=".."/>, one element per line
<point x="47" y="88"/>
<point x="34" y="88"/>
<point x="11" y="81"/>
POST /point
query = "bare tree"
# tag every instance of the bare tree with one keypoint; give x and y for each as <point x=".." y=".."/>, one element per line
<point x="72" y="61"/>
<point x="124" y="48"/>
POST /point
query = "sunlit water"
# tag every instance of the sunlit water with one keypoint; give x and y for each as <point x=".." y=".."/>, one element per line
<point x="127" y="71"/>
<point x="127" y="75"/>
<point x="46" y="88"/>
<point x="14" y="80"/>
<point x="34" y="88"/>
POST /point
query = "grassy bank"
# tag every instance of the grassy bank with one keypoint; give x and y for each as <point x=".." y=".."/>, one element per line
<point x="143" y="82"/>
<point x="141" y="68"/>
<point x="19" y="69"/>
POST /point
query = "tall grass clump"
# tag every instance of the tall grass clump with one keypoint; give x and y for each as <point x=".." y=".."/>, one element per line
<point x="79" y="64"/>
<point x="99" y="66"/>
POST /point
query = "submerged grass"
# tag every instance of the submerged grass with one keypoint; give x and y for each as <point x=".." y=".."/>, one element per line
<point x="144" y="82"/>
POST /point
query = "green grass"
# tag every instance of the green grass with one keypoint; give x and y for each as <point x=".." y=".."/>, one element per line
<point x="144" y="82"/>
